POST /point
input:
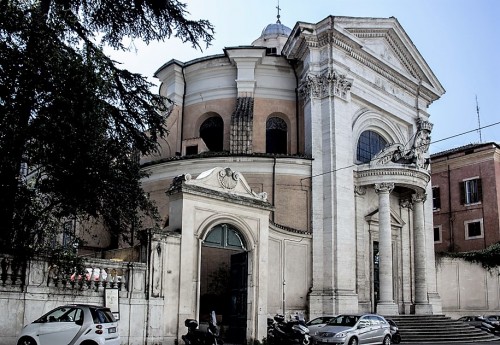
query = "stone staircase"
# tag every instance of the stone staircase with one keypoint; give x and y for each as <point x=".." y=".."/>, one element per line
<point x="438" y="329"/>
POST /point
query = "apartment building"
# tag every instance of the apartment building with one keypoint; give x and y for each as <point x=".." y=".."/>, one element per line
<point x="466" y="197"/>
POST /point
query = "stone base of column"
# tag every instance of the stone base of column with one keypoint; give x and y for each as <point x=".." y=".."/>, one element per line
<point x="326" y="302"/>
<point x="435" y="301"/>
<point x="387" y="308"/>
<point x="423" y="309"/>
<point x="407" y="308"/>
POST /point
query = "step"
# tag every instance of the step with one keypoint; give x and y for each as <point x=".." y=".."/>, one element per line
<point x="438" y="329"/>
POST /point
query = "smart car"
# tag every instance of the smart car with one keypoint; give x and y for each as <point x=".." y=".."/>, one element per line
<point x="353" y="330"/>
<point x="76" y="324"/>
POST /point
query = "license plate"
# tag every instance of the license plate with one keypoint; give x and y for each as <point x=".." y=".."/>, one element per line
<point x="112" y="330"/>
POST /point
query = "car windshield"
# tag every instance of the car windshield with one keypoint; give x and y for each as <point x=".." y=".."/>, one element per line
<point x="344" y="320"/>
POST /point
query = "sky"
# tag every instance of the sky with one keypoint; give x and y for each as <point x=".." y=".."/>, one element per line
<point x="459" y="40"/>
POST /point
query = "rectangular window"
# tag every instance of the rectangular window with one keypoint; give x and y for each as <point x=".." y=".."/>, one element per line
<point x="192" y="150"/>
<point x="68" y="233"/>
<point x="474" y="229"/>
<point x="470" y="191"/>
<point x="436" y="198"/>
<point x="437" y="234"/>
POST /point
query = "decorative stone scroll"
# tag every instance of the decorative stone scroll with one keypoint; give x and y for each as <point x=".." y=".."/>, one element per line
<point x="331" y="83"/>
<point x="398" y="153"/>
<point x="227" y="178"/>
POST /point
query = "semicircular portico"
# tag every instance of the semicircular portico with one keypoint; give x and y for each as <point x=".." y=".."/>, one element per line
<point x="400" y="175"/>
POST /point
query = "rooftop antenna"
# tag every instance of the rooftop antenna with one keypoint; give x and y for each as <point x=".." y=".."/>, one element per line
<point x="478" y="122"/>
<point x="279" y="9"/>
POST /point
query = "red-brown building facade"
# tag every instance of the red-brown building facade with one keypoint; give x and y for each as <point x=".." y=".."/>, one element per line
<point x="466" y="197"/>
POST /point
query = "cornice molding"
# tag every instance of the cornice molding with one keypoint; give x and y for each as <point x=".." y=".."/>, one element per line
<point x="409" y="177"/>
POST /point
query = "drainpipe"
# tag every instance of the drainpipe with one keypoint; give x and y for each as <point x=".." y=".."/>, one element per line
<point x="150" y="267"/>
<point x="182" y="109"/>
<point x="274" y="185"/>
<point x="450" y="214"/>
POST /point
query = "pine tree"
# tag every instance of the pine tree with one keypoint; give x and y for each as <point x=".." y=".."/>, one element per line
<point x="72" y="123"/>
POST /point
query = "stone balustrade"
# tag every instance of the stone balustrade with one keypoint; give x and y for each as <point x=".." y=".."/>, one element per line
<point x="99" y="274"/>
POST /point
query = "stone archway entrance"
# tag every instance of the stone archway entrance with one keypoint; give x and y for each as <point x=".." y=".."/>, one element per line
<point x="224" y="281"/>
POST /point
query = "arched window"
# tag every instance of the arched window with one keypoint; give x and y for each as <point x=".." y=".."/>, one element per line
<point x="224" y="236"/>
<point x="369" y="144"/>
<point x="212" y="133"/>
<point x="276" y="135"/>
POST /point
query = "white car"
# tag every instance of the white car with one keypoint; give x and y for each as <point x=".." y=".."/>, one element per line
<point x="315" y="324"/>
<point x="73" y="324"/>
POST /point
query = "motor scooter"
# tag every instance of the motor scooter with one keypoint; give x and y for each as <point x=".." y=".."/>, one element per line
<point x="281" y="332"/>
<point x="196" y="336"/>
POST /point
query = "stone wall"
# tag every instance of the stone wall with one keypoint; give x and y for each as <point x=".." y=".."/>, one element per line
<point x="28" y="293"/>
<point x="467" y="288"/>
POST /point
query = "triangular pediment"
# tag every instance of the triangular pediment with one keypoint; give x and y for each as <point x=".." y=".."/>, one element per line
<point x="396" y="220"/>
<point x="386" y="40"/>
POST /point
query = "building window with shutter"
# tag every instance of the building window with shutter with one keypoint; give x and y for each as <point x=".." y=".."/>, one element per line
<point x="436" y="198"/>
<point x="470" y="191"/>
<point x="437" y="234"/>
<point x="473" y="229"/>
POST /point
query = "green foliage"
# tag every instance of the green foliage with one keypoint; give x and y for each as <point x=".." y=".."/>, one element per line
<point x="489" y="257"/>
<point x="72" y="123"/>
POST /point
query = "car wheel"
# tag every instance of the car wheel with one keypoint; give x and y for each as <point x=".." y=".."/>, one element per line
<point x="353" y="341"/>
<point x="26" y="341"/>
<point x="387" y="340"/>
<point x="89" y="342"/>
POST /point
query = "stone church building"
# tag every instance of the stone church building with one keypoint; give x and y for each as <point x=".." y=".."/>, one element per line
<point x="295" y="178"/>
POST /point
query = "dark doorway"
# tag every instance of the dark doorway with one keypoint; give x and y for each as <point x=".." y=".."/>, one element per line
<point x="238" y="311"/>
<point x="376" y="281"/>
<point x="223" y="282"/>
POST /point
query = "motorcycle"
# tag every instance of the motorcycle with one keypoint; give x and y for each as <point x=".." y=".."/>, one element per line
<point x="196" y="336"/>
<point x="284" y="332"/>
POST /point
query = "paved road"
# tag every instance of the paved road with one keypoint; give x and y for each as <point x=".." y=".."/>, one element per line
<point x="496" y="342"/>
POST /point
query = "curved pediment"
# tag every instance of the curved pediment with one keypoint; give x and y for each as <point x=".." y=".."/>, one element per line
<point x="221" y="181"/>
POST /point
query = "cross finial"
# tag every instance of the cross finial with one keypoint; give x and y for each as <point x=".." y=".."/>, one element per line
<point x="279" y="9"/>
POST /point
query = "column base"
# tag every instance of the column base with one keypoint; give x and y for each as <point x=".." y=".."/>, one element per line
<point x="387" y="308"/>
<point x="423" y="309"/>
<point x="435" y="301"/>
<point x="326" y="302"/>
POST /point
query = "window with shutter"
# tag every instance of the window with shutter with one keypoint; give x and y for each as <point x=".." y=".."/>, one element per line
<point x="436" y="198"/>
<point x="470" y="191"/>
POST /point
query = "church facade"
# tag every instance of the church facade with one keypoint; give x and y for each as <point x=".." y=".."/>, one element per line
<point x="295" y="177"/>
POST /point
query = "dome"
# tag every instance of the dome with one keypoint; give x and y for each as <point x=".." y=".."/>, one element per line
<point x="274" y="37"/>
<point x="276" y="29"/>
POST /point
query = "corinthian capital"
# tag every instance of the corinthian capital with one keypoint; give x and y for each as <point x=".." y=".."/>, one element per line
<point x="384" y="187"/>
<point x="419" y="197"/>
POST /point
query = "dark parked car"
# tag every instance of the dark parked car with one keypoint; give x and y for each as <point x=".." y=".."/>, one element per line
<point x="395" y="335"/>
<point x="491" y="323"/>
<point x="475" y="321"/>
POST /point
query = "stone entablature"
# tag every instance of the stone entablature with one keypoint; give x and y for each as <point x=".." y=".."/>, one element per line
<point x="345" y="36"/>
<point x="412" y="178"/>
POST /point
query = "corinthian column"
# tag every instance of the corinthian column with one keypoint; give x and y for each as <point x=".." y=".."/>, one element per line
<point x="386" y="305"/>
<point x="422" y="305"/>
